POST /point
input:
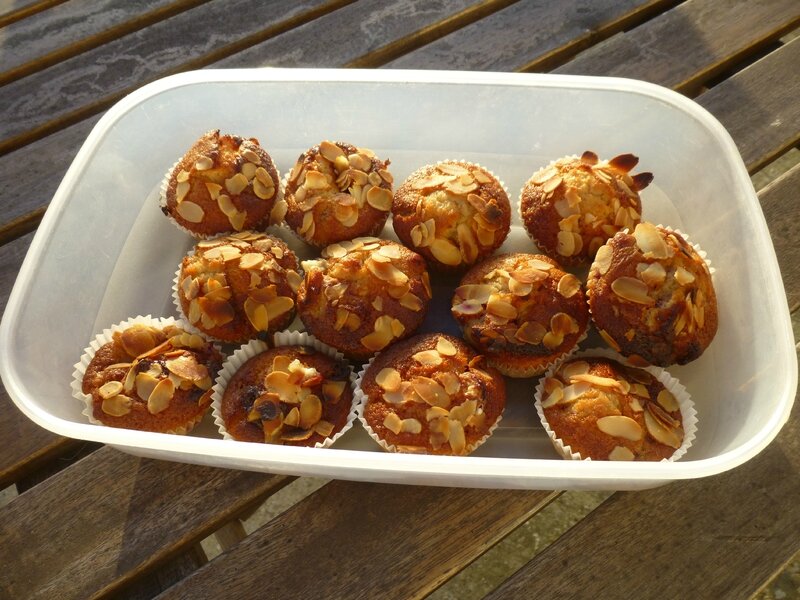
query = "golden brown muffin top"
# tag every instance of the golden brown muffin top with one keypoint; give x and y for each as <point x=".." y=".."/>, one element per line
<point x="453" y="213"/>
<point x="336" y="192"/>
<point x="607" y="411"/>
<point x="363" y="294"/>
<point x="651" y="295"/>
<point x="572" y="206"/>
<point x="234" y="287"/>
<point x="521" y="303"/>
<point x="430" y="394"/>
<point x="292" y="395"/>
<point x="152" y="379"/>
<point x="224" y="183"/>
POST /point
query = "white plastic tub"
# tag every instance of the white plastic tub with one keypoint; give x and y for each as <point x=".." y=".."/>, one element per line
<point x="104" y="252"/>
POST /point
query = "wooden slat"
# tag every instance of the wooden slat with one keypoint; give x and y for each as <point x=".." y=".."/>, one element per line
<point x="763" y="124"/>
<point x="371" y="28"/>
<point x="780" y="201"/>
<point x="26" y="446"/>
<point x="368" y="540"/>
<point x="164" y="577"/>
<point x="539" y="32"/>
<point x="115" y="518"/>
<point x="717" y="537"/>
<point x="85" y="84"/>
<point x="75" y="27"/>
<point x="688" y="45"/>
<point x="12" y="11"/>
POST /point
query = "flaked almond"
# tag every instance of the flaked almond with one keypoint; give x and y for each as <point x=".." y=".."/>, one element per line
<point x="190" y="211"/>
<point x="449" y="381"/>
<point x="278" y="211"/>
<point x="464" y="411"/>
<point x="445" y="252"/>
<point x="388" y="379"/>
<point x="138" y="339"/>
<point x="683" y="277"/>
<point x="544" y="175"/>
<point x="330" y="151"/>
<point x="519" y="289"/>
<point x="251" y="260"/>
<point x="118" y="405"/>
<point x="531" y="332"/>
<point x="660" y="432"/>
<point x="602" y="260"/>
<point x="650" y="241"/>
<point x="109" y="389"/>
<point x="565" y="245"/>
<point x="430" y="391"/>
<point x="224" y="253"/>
<point x="278" y="306"/>
<point x="333" y="390"/>
<point x="573" y="368"/>
<point x="292" y="418"/>
<point x="410" y="426"/>
<point x="187" y="367"/>
<point x="181" y="190"/>
<point x="445" y="347"/>
<point x="159" y="399"/>
<point x="568" y="285"/>
<point x="213" y="189"/>
<point x="562" y="324"/>
<point x="257" y="314"/>
<point x="620" y="453"/>
<point x="428" y="358"/>
<point x="457" y="439"/>
<point x="411" y="302"/>
<point x="652" y="274"/>
<point x="431" y="181"/>
<point x="315" y="181"/>
<point x="609" y="340"/>
<point x="620" y="426"/>
<point x="598" y="381"/>
<point x="471" y="291"/>
<point x="467" y="243"/>
<point x="553" y="397"/>
<point x="381" y="336"/>
<point x="310" y="411"/>
<point x="467" y="308"/>
<point x="386" y="271"/>
<point x="500" y="308"/>
<point x="324" y="428"/>
<point x="236" y="184"/>
<point x="668" y="401"/>
<point x="263" y="190"/>
<point x="379" y="198"/>
<point x="575" y="391"/>
<point x="632" y="289"/>
<point x="393" y="423"/>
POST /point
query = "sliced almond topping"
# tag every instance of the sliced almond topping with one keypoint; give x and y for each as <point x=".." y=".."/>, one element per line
<point x="307" y="227"/>
<point x="602" y="260"/>
<point x="551" y="184"/>
<point x="552" y="340"/>
<point x="652" y="274"/>
<point x="436" y="412"/>
<point x="330" y="151"/>
<point x="236" y="184"/>
<point x="324" y="428"/>
<point x="346" y="215"/>
<point x="138" y="339"/>
<point x="639" y="390"/>
<point x="544" y="175"/>
<point x="256" y="314"/>
<point x="452" y="169"/>
<point x="531" y="332"/>
<point x="262" y="190"/>
<point x="117" y="406"/>
<point x="187" y="367"/>
<point x="574" y="391"/>
<point x="573" y="368"/>
<point x="391" y="251"/>
<point x="467" y="243"/>
<point x="565" y="245"/>
<point x="386" y="176"/>
<point x="181" y="177"/>
<point x="458" y="442"/>
<point x="596" y="380"/>
<point x="609" y="340"/>
<point x="190" y="211"/>
<point x="528" y="275"/>
<point x="377" y="303"/>
<point x="109" y="389"/>
<point x="568" y="285"/>
<point x="316" y="181"/>
<point x="381" y="336"/>
<point x="476" y="202"/>
<point x="393" y="423"/>
<point x="278" y="306"/>
<point x="620" y="453"/>
<point x="181" y="190"/>
<point x="445" y="347"/>
<point x="464" y="411"/>
<point x="499" y="307"/>
<point x="411" y="302"/>
<point x="661" y="432"/>
<point x="388" y="379"/>
<point x="631" y="289"/>
<point x="204" y="163"/>
<point x="430" y="391"/>
<point x="292" y="418"/>
<point x="650" y="241"/>
<point x="467" y="307"/>
<point x="519" y="289"/>
<point x="379" y="198"/>
<point x="553" y="397"/>
<point x="683" y="277"/>
<point x="160" y="397"/>
<point x="411" y="426"/>
<point x="386" y="271"/>
<point x="668" y="401"/>
<point x="251" y="260"/>
<point x="398" y="291"/>
<point x="428" y="358"/>
<point x="445" y="252"/>
<point x="449" y="381"/>
<point x="213" y="190"/>
<point x="471" y="291"/>
<point x="310" y="411"/>
<point x="620" y="426"/>
<point x="397" y="328"/>
<point x="224" y="253"/>
<point x="563" y="324"/>
<point x="333" y="390"/>
<point x="278" y="211"/>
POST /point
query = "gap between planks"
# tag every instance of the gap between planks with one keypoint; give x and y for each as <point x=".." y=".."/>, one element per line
<point x="22" y="13"/>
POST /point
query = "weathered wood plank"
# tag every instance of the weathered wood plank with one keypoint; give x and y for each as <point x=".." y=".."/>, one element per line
<point x="747" y="519"/>
<point x="165" y="576"/>
<point x="763" y="125"/>
<point x="350" y="539"/>
<point x="12" y="11"/>
<point x="89" y="82"/>
<point x="781" y="205"/>
<point x="111" y="526"/>
<point x="26" y="446"/>
<point x="685" y="47"/>
<point x="535" y="32"/>
<point x="74" y="27"/>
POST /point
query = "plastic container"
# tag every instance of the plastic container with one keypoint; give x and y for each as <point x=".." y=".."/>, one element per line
<point x="104" y="252"/>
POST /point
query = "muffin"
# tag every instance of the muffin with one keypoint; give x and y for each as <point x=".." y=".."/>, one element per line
<point x="291" y="395"/>
<point x="338" y="192"/>
<point x="237" y="287"/>
<point x="223" y="184"/>
<point x="651" y="296"/>
<point x="453" y="213"/>
<point x="364" y="294"/>
<point x="604" y="410"/>
<point x="430" y="394"/>
<point x="521" y="311"/>
<point x="572" y="206"/>
<point x="151" y="378"/>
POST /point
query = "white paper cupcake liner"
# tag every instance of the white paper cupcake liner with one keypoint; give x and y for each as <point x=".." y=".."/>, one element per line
<point x="688" y="412"/>
<point x="162" y="201"/>
<point x="255" y="347"/>
<point x="105" y="337"/>
<point x="361" y="401"/>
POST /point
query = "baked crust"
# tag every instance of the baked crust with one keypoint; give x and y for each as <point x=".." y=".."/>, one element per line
<point x="572" y="206"/>
<point x="453" y="213"/>
<point x="431" y="394"/>
<point x="651" y="296"/>
<point x="291" y="395"/>
<point x="237" y="287"/>
<point x="364" y="294"/>
<point x="152" y="379"/>
<point x="607" y="411"/>
<point x="224" y="184"/>
<point x="338" y="192"/>
<point x="522" y="311"/>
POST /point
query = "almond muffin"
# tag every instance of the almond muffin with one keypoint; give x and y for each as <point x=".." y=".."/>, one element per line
<point x="152" y="379"/>
<point x="572" y="206"/>
<point x="223" y="184"/>
<point x="604" y="410"/>
<point x="364" y="294"/>
<point x="338" y="192"/>
<point x="431" y="394"/>
<point x="453" y="213"/>
<point x="292" y="395"/>
<point x="237" y="287"/>
<point x="651" y="296"/>
<point x="521" y="311"/>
